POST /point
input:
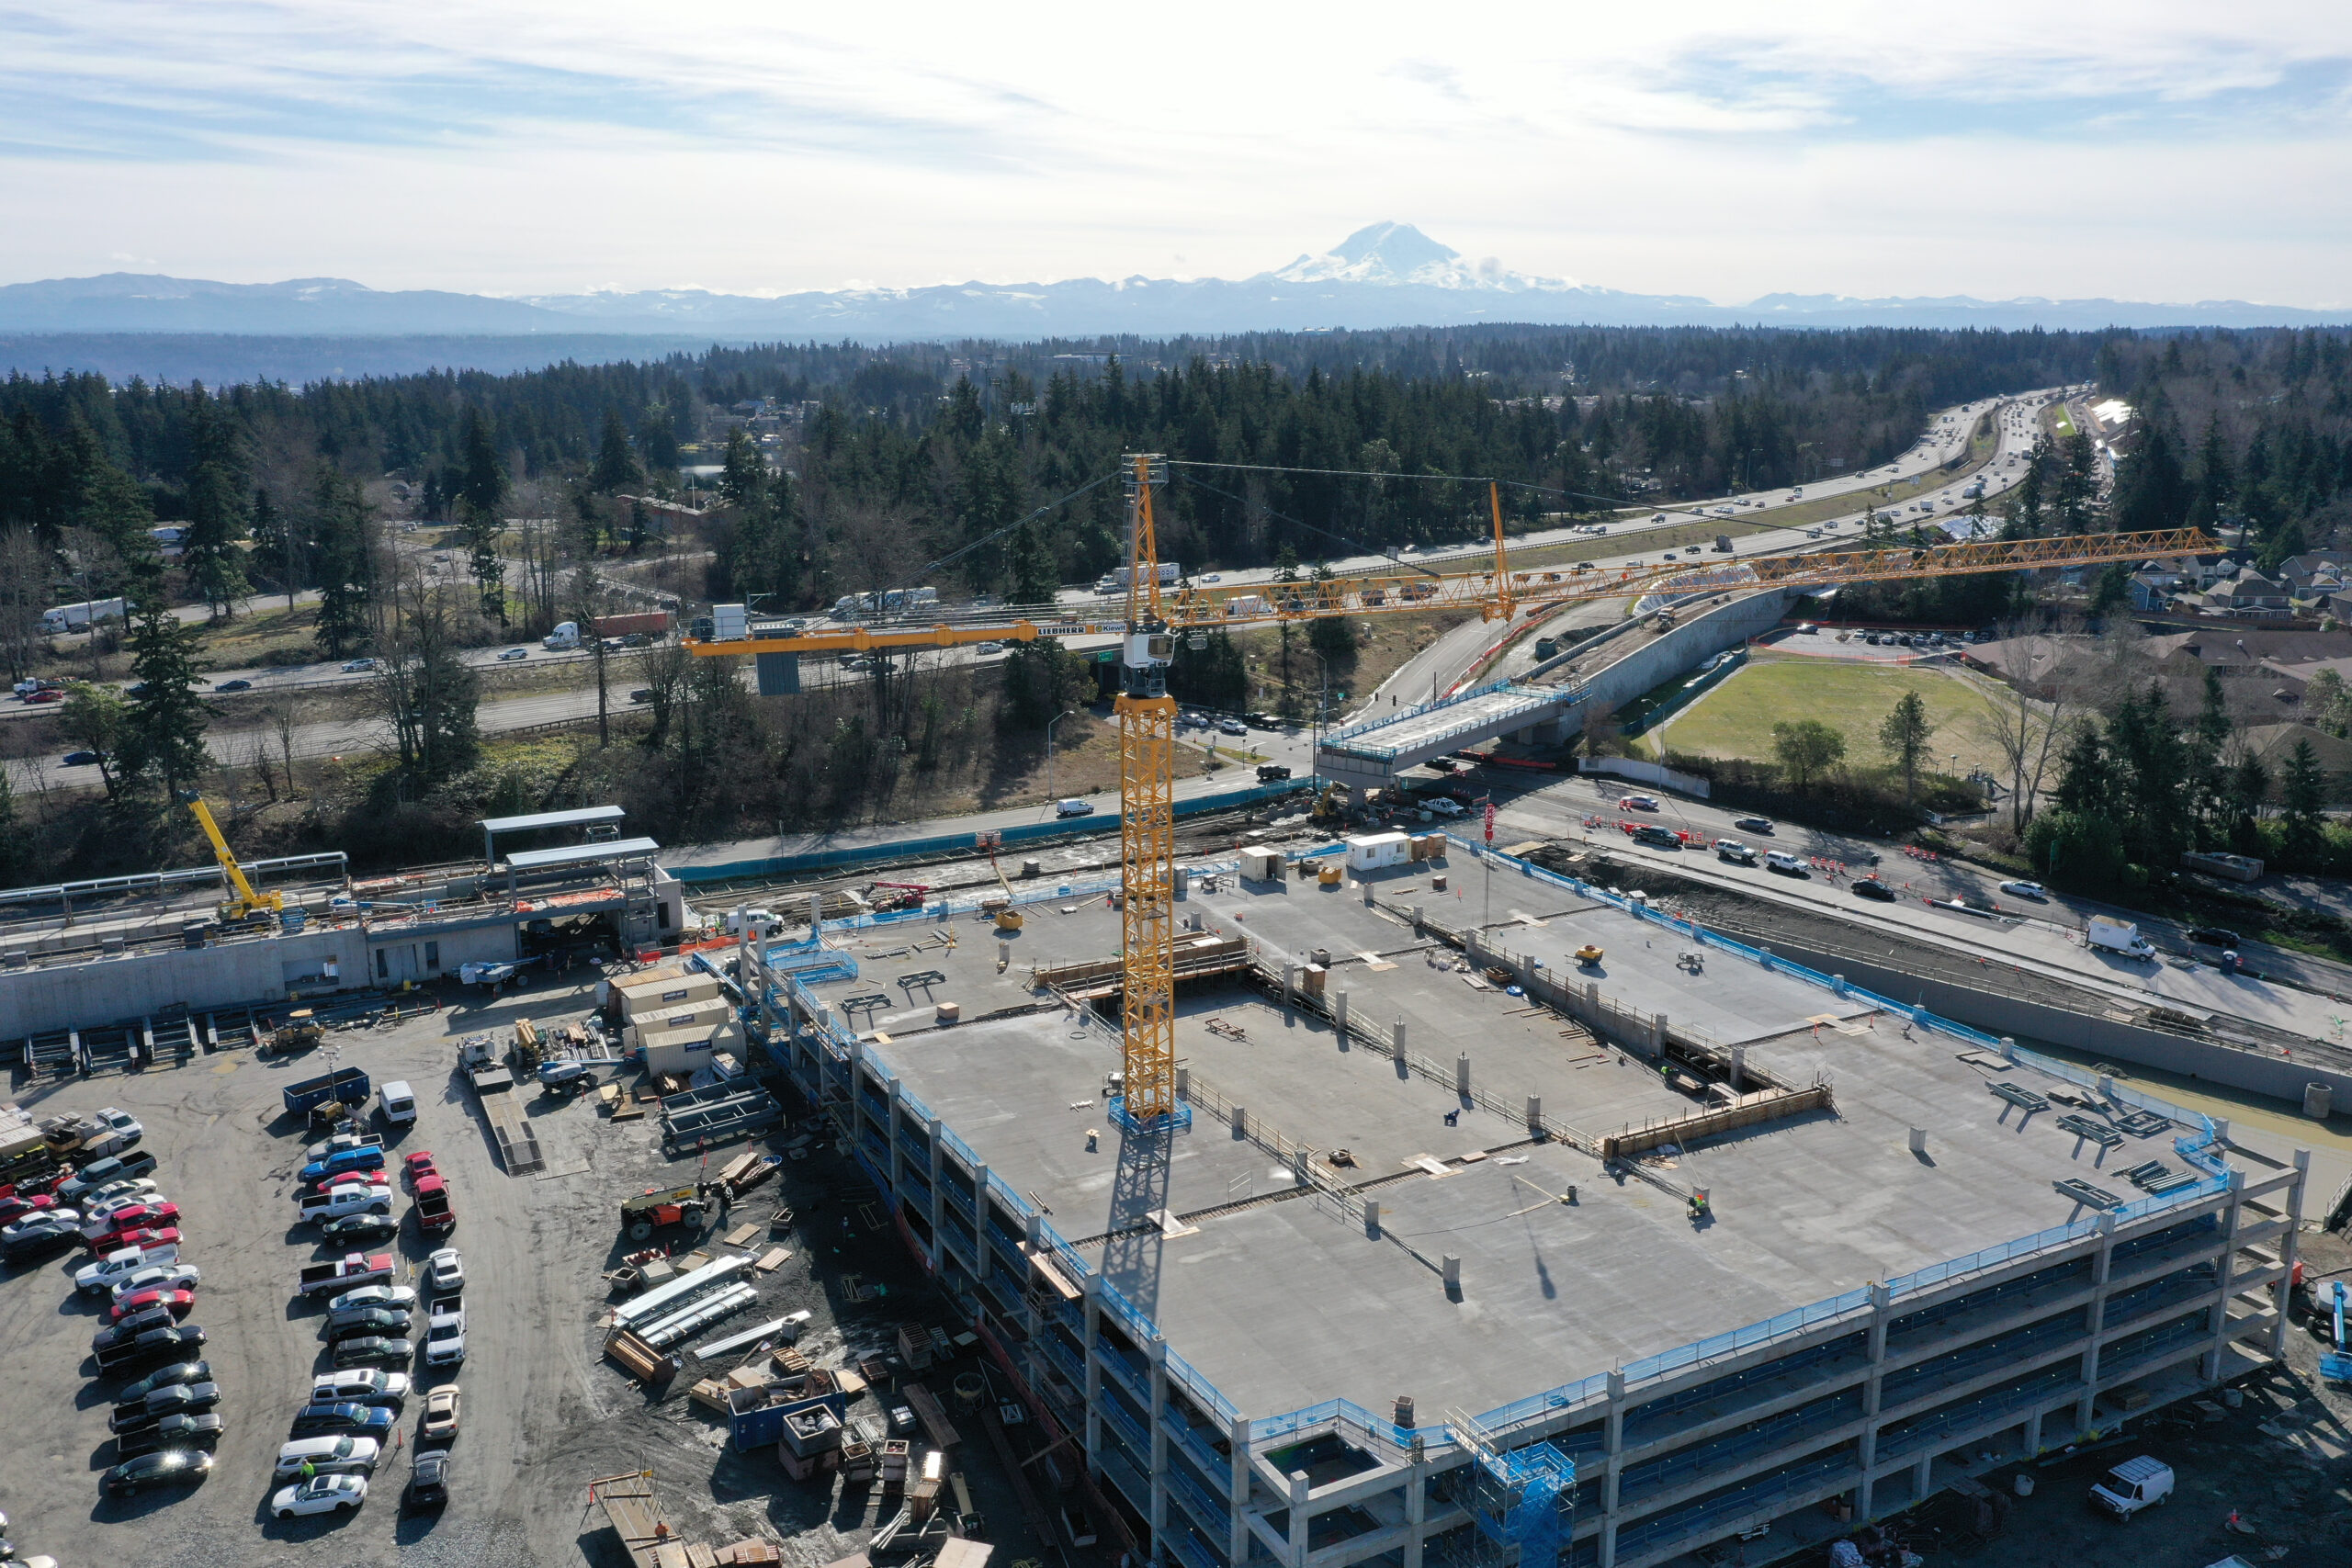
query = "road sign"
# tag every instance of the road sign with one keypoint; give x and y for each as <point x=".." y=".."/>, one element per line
<point x="1490" y="822"/>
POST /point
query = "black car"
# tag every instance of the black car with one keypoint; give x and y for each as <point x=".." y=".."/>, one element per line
<point x="320" y="1420"/>
<point x="198" y="1431"/>
<point x="144" y="1349"/>
<point x="234" y="686"/>
<point x="179" y="1399"/>
<point x="130" y="1328"/>
<point x="361" y="1228"/>
<point x="1872" y="887"/>
<point x="2213" y="936"/>
<point x="172" y="1467"/>
<point x="374" y="1351"/>
<point x="429" y="1481"/>
<point x="42" y="1242"/>
<point x="374" y="1321"/>
<point x="178" y="1372"/>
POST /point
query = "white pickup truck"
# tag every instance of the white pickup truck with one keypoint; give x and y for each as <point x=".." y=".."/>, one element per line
<point x="337" y="1202"/>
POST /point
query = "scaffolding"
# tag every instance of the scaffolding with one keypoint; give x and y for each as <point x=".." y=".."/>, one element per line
<point x="1522" y="1500"/>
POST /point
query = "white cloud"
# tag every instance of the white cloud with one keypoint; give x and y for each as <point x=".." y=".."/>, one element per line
<point x="2159" y="149"/>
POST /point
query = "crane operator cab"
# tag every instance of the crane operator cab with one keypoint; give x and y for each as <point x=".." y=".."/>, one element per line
<point x="1144" y="662"/>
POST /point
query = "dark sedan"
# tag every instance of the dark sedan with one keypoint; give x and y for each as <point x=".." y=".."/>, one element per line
<point x="361" y="1228"/>
<point x="428" y="1482"/>
<point x="173" y="1467"/>
<point x="372" y="1320"/>
<point x="1872" y="887"/>
<point x="178" y="1372"/>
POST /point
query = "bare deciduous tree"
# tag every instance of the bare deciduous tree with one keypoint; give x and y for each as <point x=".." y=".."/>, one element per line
<point x="2047" y="670"/>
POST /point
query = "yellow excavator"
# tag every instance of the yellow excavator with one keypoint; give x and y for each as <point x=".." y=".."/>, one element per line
<point x="247" y="903"/>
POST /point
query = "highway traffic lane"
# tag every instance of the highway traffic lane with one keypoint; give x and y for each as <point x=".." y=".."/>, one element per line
<point x="2031" y="937"/>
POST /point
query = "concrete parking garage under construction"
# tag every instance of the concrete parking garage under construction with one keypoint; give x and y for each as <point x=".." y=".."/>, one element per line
<point x="1476" y="1250"/>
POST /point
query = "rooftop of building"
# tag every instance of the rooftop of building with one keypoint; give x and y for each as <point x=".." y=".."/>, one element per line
<point x="1282" y="1299"/>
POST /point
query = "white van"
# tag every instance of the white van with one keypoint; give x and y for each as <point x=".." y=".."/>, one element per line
<point x="1073" y="808"/>
<point x="399" y="1102"/>
<point x="1784" y="862"/>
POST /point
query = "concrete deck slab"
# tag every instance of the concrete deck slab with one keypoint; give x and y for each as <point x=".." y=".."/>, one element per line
<point x="1281" y="1302"/>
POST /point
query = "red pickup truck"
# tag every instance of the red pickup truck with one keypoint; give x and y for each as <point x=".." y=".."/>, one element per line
<point x="435" y="1215"/>
<point x="345" y="1273"/>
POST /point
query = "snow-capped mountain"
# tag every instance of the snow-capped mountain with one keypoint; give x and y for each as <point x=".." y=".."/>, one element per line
<point x="1385" y="275"/>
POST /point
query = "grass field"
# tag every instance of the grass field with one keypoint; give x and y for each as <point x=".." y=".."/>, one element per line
<point x="2061" y="422"/>
<point x="1736" y="719"/>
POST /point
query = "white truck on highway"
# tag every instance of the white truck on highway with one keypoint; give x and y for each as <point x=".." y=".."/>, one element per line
<point x="2118" y="936"/>
<point x="78" y="617"/>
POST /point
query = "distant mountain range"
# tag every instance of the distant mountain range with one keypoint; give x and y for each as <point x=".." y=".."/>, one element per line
<point x="1388" y="275"/>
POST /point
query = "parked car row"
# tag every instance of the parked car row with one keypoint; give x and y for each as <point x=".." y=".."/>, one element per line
<point x="165" y="1423"/>
<point x="344" y="1432"/>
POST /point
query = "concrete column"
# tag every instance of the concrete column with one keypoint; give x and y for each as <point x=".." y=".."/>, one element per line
<point x="1340" y="1015"/>
<point x="1156" y="1353"/>
<point x="1093" y="1439"/>
<point x="2095" y="1319"/>
<point x="1740" y="1069"/>
<point x="1417" y="1507"/>
<point x="980" y="1221"/>
<point x="937" y="1201"/>
<point x="1372" y="1217"/>
<point x="1298" y="1521"/>
<point x="1183" y="1081"/>
<point x="2210" y="1365"/>
<point x="1462" y="1074"/>
<point x="1396" y="1039"/>
<point x="1657" y="1034"/>
<point x="1290" y="983"/>
<point x="898" y="1155"/>
<point x="2009" y="1048"/>
<point x="1535" y="1113"/>
<point x="1923" y="1475"/>
<point x="1236" y="1530"/>
<point x="2287" y="1254"/>
<point x="2033" y="1434"/>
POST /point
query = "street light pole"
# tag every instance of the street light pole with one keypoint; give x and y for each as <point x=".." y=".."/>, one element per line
<point x="1049" y="748"/>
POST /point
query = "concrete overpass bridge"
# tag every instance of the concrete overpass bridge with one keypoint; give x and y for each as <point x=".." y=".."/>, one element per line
<point x="1370" y="755"/>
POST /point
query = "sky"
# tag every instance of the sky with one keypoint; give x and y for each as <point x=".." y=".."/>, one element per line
<point x="2153" y="150"/>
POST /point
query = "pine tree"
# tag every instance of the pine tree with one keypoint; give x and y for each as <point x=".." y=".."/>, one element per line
<point x="1904" y="737"/>
<point x="481" y="499"/>
<point x="341" y="524"/>
<point x="616" y="467"/>
<point x="216" y="515"/>
<point x="168" y="719"/>
<point x="2302" y="793"/>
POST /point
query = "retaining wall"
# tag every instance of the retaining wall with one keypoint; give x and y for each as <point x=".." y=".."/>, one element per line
<point x="1996" y="1014"/>
<point x="965" y="842"/>
<point x="1726" y="626"/>
<point x="139" y="984"/>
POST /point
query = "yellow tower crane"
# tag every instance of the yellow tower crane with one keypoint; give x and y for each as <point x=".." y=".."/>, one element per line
<point x="1155" y="614"/>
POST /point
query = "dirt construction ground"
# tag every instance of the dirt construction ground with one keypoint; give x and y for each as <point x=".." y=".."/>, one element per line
<point x="543" y="1414"/>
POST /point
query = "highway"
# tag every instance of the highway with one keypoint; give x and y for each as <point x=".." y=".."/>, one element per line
<point x="1448" y="661"/>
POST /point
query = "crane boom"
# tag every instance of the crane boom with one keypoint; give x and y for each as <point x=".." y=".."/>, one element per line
<point x="1494" y="594"/>
<point x="247" y="899"/>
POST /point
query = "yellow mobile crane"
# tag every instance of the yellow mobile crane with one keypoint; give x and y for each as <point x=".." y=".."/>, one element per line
<point x="247" y="902"/>
<point x="1147" y="713"/>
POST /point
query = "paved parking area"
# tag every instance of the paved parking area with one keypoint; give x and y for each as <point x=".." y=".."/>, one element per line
<point x="543" y="1414"/>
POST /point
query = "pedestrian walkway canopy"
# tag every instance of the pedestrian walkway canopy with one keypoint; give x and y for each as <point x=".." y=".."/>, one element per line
<point x="579" y="854"/>
<point x="584" y="817"/>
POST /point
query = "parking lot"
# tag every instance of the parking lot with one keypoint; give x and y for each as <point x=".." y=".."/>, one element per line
<point x="543" y="1413"/>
